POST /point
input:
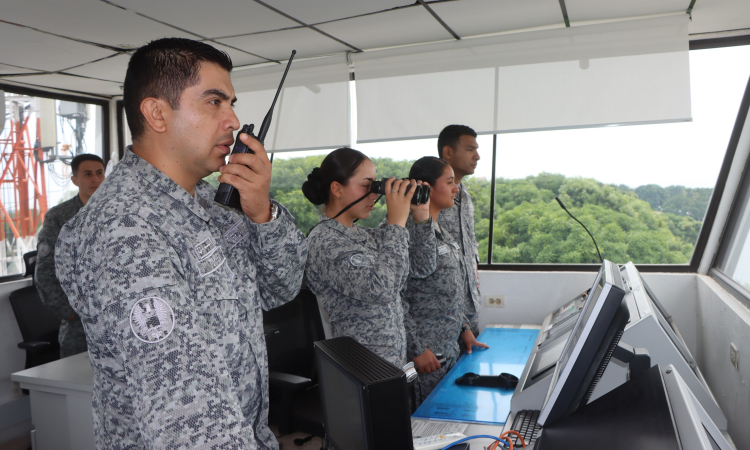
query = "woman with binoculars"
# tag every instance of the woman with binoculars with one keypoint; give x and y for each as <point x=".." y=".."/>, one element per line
<point x="356" y="272"/>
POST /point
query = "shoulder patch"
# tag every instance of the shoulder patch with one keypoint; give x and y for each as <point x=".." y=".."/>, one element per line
<point x="362" y="260"/>
<point x="151" y="319"/>
<point x="42" y="250"/>
<point x="443" y="249"/>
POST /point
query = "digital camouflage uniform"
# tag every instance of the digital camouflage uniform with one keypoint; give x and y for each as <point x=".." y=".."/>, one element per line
<point x="435" y="300"/>
<point x="458" y="220"/>
<point x="72" y="338"/>
<point x="170" y="289"/>
<point x="358" y="273"/>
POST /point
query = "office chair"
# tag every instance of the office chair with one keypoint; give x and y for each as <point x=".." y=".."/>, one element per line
<point x="39" y="326"/>
<point x="290" y="332"/>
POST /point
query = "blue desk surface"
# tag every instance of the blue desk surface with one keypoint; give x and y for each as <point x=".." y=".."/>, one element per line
<point x="508" y="352"/>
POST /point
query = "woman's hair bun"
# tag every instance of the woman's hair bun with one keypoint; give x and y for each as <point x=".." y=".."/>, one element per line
<point x="313" y="188"/>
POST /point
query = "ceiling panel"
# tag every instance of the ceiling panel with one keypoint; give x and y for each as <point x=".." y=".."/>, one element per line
<point x="4" y="69"/>
<point x="29" y="48"/>
<point x="71" y="83"/>
<point x="238" y="58"/>
<point x="473" y="17"/>
<point x="90" y="20"/>
<point x="279" y="44"/>
<point x="316" y="11"/>
<point x="404" y="26"/>
<point x="112" y="69"/>
<point x="720" y="15"/>
<point x="211" y="19"/>
<point x="581" y="10"/>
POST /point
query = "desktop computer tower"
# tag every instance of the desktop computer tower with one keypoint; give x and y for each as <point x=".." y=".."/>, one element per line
<point x="364" y="397"/>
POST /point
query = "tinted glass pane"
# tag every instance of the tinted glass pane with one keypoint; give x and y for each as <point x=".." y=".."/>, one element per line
<point x="641" y="190"/>
<point x="38" y="141"/>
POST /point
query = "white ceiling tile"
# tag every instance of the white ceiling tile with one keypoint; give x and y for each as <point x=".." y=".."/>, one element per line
<point x="238" y="58"/>
<point x="212" y="18"/>
<point x="279" y="44"/>
<point x="5" y="69"/>
<point x="90" y="20"/>
<point x="29" y="48"/>
<point x="473" y="17"/>
<point x="720" y="15"/>
<point x="582" y="10"/>
<point x="401" y="27"/>
<point x="316" y="11"/>
<point x="71" y="83"/>
<point x="111" y="69"/>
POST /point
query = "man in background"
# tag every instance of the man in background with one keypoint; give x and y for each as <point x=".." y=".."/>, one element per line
<point x="457" y="145"/>
<point x="88" y="174"/>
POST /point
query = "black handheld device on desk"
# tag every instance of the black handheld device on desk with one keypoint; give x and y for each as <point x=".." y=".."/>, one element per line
<point x="227" y="194"/>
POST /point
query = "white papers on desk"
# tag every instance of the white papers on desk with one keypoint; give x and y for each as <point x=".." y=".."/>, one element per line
<point x="421" y="428"/>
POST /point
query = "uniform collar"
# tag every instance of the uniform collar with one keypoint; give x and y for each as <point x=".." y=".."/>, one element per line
<point x="352" y="233"/>
<point x="77" y="201"/>
<point x="155" y="178"/>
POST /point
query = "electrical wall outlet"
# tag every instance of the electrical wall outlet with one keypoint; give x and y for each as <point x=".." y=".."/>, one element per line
<point x="494" y="301"/>
<point x="734" y="355"/>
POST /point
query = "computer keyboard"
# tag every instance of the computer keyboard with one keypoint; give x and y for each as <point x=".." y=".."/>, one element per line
<point x="525" y="424"/>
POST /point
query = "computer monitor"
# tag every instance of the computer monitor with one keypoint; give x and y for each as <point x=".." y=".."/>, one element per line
<point x="589" y="346"/>
<point x="364" y="397"/>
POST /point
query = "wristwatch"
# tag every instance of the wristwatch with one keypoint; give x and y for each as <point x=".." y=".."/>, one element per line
<point x="464" y="328"/>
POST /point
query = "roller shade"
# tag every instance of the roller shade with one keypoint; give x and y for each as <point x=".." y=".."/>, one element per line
<point x="313" y="108"/>
<point x="616" y="73"/>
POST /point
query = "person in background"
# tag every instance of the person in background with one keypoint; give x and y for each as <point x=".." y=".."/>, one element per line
<point x="171" y="285"/>
<point x="88" y="175"/>
<point x="457" y="145"/>
<point x="436" y="317"/>
<point x="356" y="272"/>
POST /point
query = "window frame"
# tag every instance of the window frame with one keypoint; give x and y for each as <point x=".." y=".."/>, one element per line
<point x="713" y="205"/>
<point x="104" y="103"/>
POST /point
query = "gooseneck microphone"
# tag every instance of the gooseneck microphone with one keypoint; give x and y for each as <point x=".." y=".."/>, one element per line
<point x="584" y="227"/>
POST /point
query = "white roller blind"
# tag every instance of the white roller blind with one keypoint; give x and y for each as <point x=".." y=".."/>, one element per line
<point x="313" y="108"/>
<point x="606" y="74"/>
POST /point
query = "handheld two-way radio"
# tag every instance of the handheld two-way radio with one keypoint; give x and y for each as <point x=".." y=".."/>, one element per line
<point x="227" y="194"/>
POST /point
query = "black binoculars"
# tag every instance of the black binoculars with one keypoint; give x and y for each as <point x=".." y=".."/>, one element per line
<point x="421" y="195"/>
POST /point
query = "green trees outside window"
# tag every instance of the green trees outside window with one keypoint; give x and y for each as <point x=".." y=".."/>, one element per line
<point x="647" y="225"/>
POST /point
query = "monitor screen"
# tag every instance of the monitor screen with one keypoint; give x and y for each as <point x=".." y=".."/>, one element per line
<point x="589" y="346"/>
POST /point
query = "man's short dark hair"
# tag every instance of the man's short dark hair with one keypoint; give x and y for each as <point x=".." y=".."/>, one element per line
<point x="164" y="68"/>
<point x="450" y="136"/>
<point x="76" y="162"/>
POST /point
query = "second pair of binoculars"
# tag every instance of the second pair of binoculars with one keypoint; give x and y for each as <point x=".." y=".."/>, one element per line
<point x="421" y="195"/>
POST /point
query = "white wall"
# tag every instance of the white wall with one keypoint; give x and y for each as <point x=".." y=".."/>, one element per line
<point x="723" y="319"/>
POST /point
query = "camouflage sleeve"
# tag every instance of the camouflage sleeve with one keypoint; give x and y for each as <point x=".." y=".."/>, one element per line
<point x="422" y="249"/>
<point x="414" y="346"/>
<point x="142" y="313"/>
<point x="281" y="251"/>
<point x="374" y="281"/>
<point x="46" y="281"/>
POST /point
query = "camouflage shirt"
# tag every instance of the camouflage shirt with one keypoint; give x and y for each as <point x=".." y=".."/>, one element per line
<point x="170" y="289"/>
<point x="435" y="300"/>
<point x="72" y="338"/>
<point x="358" y="273"/>
<point x="458" y="220"/>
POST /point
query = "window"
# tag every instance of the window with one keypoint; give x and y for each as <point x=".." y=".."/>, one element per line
<point x="641" y="190"/>
<point x="39" y="138"/>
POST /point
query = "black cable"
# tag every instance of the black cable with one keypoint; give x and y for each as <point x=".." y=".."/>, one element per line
<point x="584" y="227"/>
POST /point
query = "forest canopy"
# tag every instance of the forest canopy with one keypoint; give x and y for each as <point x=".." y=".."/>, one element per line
<point x="647" y="225"/>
